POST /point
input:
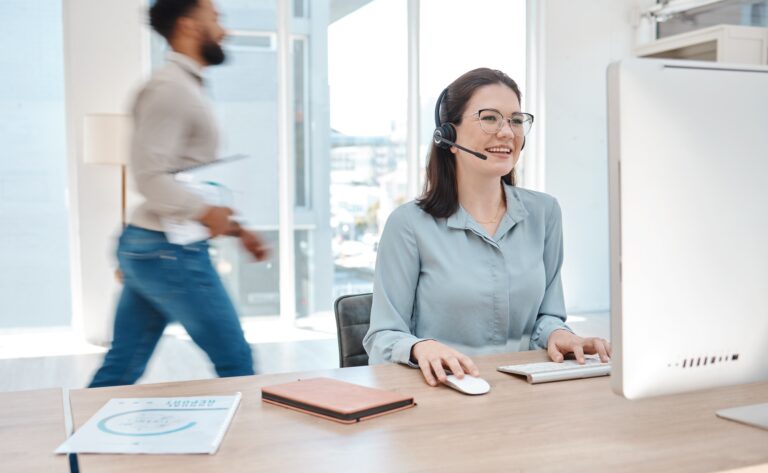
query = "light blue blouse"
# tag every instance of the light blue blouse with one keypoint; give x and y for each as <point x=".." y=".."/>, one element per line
<point x="448" y="280"/>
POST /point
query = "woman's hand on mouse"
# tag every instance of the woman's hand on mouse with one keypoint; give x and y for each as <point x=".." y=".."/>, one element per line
<point x="561" y="342"/>
<point x="433" y="358"/>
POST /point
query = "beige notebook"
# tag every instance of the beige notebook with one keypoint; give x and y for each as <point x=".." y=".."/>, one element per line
<point x="335" y="400"/>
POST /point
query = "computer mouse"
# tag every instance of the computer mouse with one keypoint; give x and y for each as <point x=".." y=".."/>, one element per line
<point x="468" y="384"/>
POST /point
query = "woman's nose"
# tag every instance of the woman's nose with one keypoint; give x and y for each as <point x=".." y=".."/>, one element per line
<point x="506" y="129"/>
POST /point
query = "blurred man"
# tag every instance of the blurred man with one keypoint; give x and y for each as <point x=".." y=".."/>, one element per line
<point x="174" y="129"/>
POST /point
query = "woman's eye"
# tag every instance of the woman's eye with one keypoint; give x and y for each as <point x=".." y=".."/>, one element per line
<point x="490" y="119"/>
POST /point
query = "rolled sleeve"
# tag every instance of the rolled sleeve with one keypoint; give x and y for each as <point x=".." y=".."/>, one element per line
<point x="390" y="336"/>
<point x="551" y="314"/>
<point x="161" y="126"/>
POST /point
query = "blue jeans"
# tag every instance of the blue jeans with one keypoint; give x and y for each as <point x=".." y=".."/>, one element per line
<point x="163" y="283"/>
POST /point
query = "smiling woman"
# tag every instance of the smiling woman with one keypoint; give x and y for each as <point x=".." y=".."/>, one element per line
<point x="473" y="266"/>
<point x="461" y="133"/>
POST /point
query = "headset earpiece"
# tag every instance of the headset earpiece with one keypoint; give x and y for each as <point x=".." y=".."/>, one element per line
<point x="444" y="135"/>
<point x="442" y="130"/>
<point x="446" y="131"/>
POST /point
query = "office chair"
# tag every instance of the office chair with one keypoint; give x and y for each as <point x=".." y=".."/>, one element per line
<point x="353" y="315"/>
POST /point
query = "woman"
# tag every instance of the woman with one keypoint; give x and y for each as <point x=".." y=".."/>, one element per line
<point x="473" y="266"/>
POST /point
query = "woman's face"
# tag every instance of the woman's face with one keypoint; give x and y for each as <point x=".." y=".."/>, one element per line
<point x="502" y="148"/>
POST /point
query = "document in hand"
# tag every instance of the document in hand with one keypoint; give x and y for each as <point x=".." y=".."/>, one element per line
<point x="547" y="371"/>
<point x="335" y="400"/>
<point x="184" y="232"/>
<point x="157" y="425"/>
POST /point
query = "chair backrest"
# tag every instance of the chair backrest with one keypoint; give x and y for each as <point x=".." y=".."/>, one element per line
<point x="353" y="316"/>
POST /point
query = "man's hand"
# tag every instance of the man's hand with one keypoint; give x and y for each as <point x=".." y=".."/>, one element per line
<point x="254" y="245"/>
<point x="217" y="220"/>
<point x="251" y="241"/>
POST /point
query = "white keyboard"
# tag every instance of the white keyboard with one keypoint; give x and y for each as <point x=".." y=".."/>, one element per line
<point x="547" y="371"/>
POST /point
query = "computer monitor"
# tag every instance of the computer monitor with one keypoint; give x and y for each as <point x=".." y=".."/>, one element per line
<point x="688" y="166"/>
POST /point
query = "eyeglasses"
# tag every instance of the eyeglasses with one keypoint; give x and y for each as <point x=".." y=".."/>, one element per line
<point x="492" y="121"/>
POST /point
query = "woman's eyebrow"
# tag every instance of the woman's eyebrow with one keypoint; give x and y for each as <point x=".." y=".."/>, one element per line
<point x="499" y="111"/>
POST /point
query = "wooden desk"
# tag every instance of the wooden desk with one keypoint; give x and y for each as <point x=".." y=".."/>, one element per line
<point x="31" y="427"/>
<point x="568" y="426"/>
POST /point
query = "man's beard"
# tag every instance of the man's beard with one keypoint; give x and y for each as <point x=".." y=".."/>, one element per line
<point x="212" y="52"/>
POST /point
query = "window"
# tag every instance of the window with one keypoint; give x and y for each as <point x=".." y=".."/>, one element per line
<point x="301" y="112"/>
<point x="367" y="76"/>
<point x="244" y="96"/>
<point x="34" y="242"/>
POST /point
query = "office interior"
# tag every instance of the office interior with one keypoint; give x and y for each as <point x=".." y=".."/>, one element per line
<point x="332" y="101"/>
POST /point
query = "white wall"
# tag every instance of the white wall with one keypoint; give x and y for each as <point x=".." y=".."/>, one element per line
<point x="580" y="38"/>
<point x="104" y="42"/>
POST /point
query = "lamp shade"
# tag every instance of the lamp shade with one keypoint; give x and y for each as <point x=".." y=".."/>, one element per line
<point x="106" y="138"/>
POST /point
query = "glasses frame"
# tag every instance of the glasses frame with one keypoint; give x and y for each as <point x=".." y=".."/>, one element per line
<point x="527" y="117"/>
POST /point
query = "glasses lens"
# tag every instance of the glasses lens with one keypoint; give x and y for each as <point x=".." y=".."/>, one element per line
<point x="490" y="121"/>
<point x="521" y="123"/>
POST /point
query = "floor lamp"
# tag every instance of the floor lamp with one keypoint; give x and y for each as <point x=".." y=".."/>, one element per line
<point x="106" y="140"/>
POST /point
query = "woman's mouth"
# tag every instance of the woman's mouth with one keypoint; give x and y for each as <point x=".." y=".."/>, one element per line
<point x="501" y="150"/>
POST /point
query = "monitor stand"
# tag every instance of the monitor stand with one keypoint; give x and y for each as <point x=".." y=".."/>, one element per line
<point x="755" y="415"/>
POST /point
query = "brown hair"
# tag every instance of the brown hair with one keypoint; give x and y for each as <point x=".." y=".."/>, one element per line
<point x="441" y="194"/>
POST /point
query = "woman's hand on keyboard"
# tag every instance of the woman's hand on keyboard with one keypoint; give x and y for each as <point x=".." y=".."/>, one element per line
<point x="433" y="358"/>
<point x="561" y="342"/>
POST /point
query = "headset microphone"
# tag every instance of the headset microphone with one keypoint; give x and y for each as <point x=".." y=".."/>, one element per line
<point x="440" y="139"/>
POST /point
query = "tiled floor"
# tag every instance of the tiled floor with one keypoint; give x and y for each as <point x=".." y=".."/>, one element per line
<point x="57" y="359"/>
